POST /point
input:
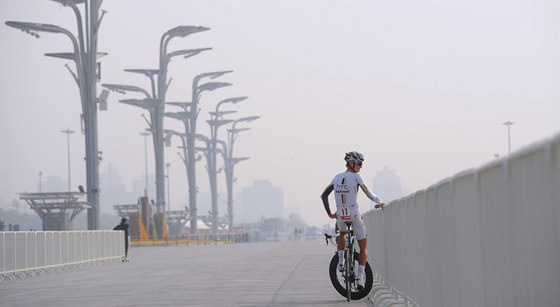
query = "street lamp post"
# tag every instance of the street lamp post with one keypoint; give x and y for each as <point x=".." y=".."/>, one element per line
<point x="212" y="176"/>
<point x="190" y="135"/>
<point x="156" y="106"/>
<point x="183" y="116"/>
<point x="85" y="56"/>
<point x="68" y="132"/>
<point x="508" y="124"/>
<point x="145" y="135"/>
<point x="40" y="182"/>
<point x="123" y="88"/>
<point x="167" y="165"/>
<point x="159" y="110"/>
<point x="230" y="161"/>
<point x="215" y="122"/>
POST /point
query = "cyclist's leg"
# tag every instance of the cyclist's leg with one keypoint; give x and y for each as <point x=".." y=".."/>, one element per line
<point x="341" y="244"/>
<point x="342" y="235"/>
<point x="363" y="251"/>
<point x="361" y="235"/>
<point x="342" y="240"/>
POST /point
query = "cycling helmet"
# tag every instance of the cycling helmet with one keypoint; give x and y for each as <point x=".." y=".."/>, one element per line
<point x="353" y="156"/>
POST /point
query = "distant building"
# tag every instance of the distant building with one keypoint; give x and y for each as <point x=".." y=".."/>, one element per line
<point x="262" y="200"/>
<point x="387" y="185"/>
<point x="114" y="190"/>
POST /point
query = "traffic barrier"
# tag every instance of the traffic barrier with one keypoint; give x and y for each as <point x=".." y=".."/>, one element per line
<point x="28" y="253"/>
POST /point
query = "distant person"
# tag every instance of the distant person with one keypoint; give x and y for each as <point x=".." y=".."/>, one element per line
<point x="346" y="186"/>
<point x="124" y="227"/>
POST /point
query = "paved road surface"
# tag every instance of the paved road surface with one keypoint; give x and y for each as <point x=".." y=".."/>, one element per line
<point x="253" y="274"/>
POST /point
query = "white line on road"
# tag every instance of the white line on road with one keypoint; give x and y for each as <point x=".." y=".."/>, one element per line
<point x="22" y="293"/>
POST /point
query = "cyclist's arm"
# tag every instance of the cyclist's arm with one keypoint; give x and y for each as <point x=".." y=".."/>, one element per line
<point x="370" y="194"/>
<point x="325" y="198"/>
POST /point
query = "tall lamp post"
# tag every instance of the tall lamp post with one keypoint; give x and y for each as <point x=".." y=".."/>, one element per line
<point x="230" y="162"/>
<point x="182" y="136"/>
<point x="40" y="182"/>
<point x="167" y="165"/>
<point x="215" y="122"/>
<point x="145" y="135"/>
<point x="191" y="115"/>
<point x="68" y="132"/>
<point x="159" y="111"/>
<point x="212" y="175"/>
<point x="155" y="102"/>
<point x="508" y="124"/>
<point x="85" y="56"/>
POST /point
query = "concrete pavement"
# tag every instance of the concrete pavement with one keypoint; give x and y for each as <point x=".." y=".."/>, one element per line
<point x="288" y="273"/>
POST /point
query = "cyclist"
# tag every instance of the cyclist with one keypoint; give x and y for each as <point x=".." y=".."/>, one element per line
<point x="345" y="186"/>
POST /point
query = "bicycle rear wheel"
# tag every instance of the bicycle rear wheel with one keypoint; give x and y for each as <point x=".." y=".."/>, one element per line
<point x="349" y="276"/>
<point x="338" y="279"/>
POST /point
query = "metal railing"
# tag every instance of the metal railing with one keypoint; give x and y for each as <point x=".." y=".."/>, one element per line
<point x="484" y="237"/>
<point x="383" y="294"/>
<point x="26" y="253"/>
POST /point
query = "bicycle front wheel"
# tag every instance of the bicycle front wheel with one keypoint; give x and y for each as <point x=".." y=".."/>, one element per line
<point x="338" y="279"/>
<point x="349" y="275"/>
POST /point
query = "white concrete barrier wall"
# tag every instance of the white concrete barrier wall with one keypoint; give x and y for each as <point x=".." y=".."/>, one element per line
<point x="486" y="237"/>
<point x="30" y="250"/>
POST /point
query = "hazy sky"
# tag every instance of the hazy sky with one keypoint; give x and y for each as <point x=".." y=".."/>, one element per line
<point x="420" y="86"/>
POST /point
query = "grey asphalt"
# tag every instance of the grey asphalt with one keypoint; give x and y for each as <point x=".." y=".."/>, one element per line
<point x="285" y="273"/>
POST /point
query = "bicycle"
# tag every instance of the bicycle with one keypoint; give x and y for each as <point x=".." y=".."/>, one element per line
<point x="345" y="282"/>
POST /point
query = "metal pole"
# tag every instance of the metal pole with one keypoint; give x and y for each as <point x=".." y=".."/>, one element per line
<point x="90" y="114"/>
<point x="229" y="174"/>
<point x="230" y="162"/>
<point x="229" y="182"/>
<point x="68" y="132"/>
<point x="214" y="179"/>
<point x="190" y="140"/>
<point x="145" y="135"/>
<point x="190" y="157"/>
<point x="159" y="111"/>
<point x="509" y="141"/>
<point x="168" y="193"/>
<point x="508" y="124"/>
<point x="85" y="56"/>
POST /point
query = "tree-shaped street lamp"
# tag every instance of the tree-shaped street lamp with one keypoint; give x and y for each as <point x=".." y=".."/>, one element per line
<point x="85" y="56"/>
<point x="159" y="85"/>
<point x="189" y="120"/>
<point x="230" y="161"/>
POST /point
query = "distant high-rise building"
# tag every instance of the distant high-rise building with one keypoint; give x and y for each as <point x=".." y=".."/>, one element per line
<point x="262" y="200"/>
<point x="114" y="190"/>
<point x="387" y="185"/>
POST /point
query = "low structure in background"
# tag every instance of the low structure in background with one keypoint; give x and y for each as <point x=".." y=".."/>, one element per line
<point x="56" y="209"/>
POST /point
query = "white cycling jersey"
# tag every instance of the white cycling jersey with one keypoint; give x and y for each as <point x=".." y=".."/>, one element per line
<point x="346" y="186"/>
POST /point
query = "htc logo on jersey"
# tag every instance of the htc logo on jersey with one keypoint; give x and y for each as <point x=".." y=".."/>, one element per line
<point x="341" y="188"/>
